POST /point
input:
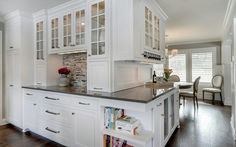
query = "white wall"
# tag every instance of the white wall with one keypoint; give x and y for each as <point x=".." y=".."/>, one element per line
<point x="1" y="77"/>
<point x="226" y="61"/>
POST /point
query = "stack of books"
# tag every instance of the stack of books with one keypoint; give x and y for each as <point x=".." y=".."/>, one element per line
<point x="110" y="141"/>
<point x="111" y="115"/>
<point x="129" y="125"/>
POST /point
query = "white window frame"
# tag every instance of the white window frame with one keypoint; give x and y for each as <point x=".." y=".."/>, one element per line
<point x="189" y="52"/>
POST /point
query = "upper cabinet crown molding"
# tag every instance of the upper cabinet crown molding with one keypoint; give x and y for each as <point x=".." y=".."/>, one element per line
<point x="66" y="6"/>
<point x="17" y="13"/>
<point x="39" y="14"/>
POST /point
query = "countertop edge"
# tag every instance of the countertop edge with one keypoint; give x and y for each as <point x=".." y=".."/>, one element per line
<point x="99" y="96"/>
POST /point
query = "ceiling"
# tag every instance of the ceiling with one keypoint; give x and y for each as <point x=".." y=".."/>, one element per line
<point x="192" y="21"/>
<point x="7" y="6"/>
<point x="189" y="20"/>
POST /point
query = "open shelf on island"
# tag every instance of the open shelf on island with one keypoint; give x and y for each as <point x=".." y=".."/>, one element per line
<point x="141" y="139"/>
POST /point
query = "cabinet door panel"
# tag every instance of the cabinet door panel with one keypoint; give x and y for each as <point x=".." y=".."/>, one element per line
<point x="85" y="129"/>
<point x="97" y="29"/>
<point x="98" y="76"/>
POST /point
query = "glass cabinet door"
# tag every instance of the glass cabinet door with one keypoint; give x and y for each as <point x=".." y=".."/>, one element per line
<point x="166" y="118"/>
<point x="80" y="27"/>
<point x="172" y="111"/>
<point x="148" y="28"/>
<point x="156" y="33"/>
<point x="98" y="28"/>
<point x="67" y="22"/>
<point x="40" y="40"/>
<point x="54" y="33"/>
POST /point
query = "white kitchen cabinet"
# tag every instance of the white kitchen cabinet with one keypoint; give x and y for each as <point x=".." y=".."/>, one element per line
<point x="18" y="62"/>
<point x="137" y="31"/>
<point x="54" y="33"/>
<point x="98" y="76"/>
<point x="85" y="129"/>
<point x="31" y="107"/>
<point x="66" y="26"/>
<point x="40" y="47"/>
<point x="98" y="29"/>
<point x="71" y="121"/>
<point x="166" y="117"/>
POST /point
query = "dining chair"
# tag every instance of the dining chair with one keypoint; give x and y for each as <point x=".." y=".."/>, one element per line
<point x="174" y="78"/>
<point x="216" y="82"/>
<point x="191" y="94"/>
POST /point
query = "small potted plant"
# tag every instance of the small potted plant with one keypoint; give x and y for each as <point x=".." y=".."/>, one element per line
<point x="167" y="73"/>
<point x="64" y="80"/>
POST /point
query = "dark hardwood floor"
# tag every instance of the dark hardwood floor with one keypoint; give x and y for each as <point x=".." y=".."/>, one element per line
<point x="11" y="136"/>
<point x="209" y="126"/>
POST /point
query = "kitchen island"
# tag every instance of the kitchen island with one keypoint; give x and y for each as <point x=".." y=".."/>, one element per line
<point x="74" y="116"/>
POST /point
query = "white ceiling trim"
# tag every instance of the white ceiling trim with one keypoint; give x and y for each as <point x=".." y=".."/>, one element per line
<point x="229" y="15"/>
<point x="193" y="42"/>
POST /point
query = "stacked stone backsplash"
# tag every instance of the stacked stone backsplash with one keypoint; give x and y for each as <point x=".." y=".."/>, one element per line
<point x="78" y="65"/>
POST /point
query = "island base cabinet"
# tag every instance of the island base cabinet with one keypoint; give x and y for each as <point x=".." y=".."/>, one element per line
<point x="85" y="129"/>
<point x="71" y="123"/>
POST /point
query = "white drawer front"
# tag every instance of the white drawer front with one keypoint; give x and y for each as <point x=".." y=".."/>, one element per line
<point x="87" y="104"/>
<point x="56" y="132"/>
<point x="57" y="114"/>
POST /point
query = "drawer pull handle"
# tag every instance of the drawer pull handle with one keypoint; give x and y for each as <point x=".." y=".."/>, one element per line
<point x="53" y="113"/>
<point x="29" y="94"/>
<point x="11" y="85"/>
<point x="55" y="99"/>
<point x="50" y="130"/>
<point x="34" y="104"/>
<point x="159" y="105"/>
<point x="97" y="88"/>
<point x="84" y="103"/>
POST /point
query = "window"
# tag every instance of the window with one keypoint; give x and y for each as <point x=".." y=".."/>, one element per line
<point x="202" y="66"/>
<point x="178" y="64"/>
<point x="189" y="64"/>
<point x="159" y="69"/>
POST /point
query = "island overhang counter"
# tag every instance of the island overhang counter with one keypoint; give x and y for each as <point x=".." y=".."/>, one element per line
<point x="74" y="116"/>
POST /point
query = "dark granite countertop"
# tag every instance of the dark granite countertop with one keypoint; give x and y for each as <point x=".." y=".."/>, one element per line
<point x="140" y="94"/>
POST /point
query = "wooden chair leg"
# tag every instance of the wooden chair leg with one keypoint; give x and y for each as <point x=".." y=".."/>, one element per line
<point x="221" y="99"/>
<point x="213" y="99"/>
<point x="203" y="95"/>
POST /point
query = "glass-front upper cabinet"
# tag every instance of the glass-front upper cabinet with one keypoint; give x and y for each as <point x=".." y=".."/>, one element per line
<point x="67" y="29"/>
<point x="148" y="28"/>
<point x="80" y="27"/>
<point x="54" y="33"/>
<point x="40" y="40"/>
<point x="97" y="43"/>
<point x="156" y="33"/>
<point x="152" y="30"/>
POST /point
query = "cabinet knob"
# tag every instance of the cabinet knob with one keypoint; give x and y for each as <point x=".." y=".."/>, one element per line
<point x="11" y="47"/>
<point x="73" y="113"/>
<point x="34" y="104"/>
<point x="89" y="54"/>
<point x="11" y="85"/>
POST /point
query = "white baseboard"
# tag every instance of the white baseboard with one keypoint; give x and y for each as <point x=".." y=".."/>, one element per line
<point x="3" y="122"/>
<point x="232" y="126"/>
<point x="227" y="103"/>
